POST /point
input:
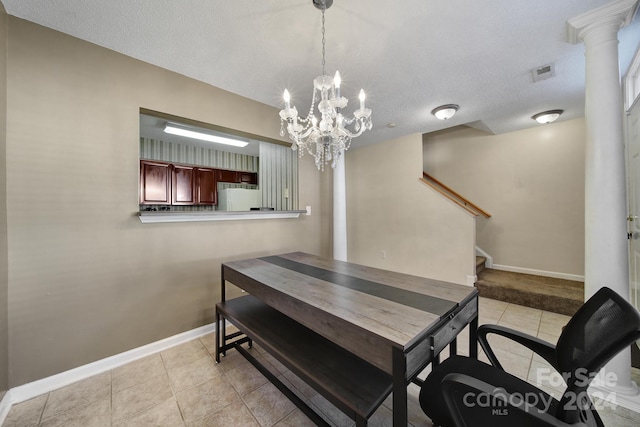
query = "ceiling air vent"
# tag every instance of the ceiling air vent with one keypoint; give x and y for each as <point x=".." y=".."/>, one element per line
<point x="543" y="72"/>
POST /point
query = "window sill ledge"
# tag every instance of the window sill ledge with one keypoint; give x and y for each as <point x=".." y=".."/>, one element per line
<point x="155" y="217"/>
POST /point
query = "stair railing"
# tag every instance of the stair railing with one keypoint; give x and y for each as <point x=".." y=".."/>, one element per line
<point x="453" y="196"/>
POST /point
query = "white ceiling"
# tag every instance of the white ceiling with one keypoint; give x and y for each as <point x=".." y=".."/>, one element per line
<point x="410" y="56"/>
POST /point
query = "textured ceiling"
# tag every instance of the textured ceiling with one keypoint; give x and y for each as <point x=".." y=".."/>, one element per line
<point x="410" y="56"/>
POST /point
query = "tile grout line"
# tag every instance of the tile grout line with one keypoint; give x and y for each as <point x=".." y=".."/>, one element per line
<point x="111" y="397"/>
<point x="244" y="402"/>
<point x="173" y="392"/>
<point x="226" y="379"/>
<point x="43" y="407"/>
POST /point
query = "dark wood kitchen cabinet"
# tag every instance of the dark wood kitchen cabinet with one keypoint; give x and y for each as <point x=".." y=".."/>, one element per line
<point x="206" y="187"/>
<point x="183" y="185"/>
<point x="155" y="183"/>
<point x="237" y="177"/>
<point x="163" y="183"/>
<point x="248" y="177"/>
<point x="194" y="186"/>
<point x="227" y="176"/>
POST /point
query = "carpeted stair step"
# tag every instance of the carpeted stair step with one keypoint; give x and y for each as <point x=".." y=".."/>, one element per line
<point x="545" y="293"/>
<point x="480" y="263"/>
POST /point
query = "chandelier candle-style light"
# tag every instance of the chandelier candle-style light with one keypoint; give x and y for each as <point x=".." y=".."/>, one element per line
<point x="326" y="139"/>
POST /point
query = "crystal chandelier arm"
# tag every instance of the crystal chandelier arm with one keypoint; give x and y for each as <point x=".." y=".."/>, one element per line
<point x="358" y="131"/>
<point x="360" y="122"/>
<point x="298" y="136"/>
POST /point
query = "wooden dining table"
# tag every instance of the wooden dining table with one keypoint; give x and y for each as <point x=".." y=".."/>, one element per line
<point x="387" y="324"/>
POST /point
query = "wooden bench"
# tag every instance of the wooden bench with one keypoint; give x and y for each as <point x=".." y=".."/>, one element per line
<point x="354" y="386"/>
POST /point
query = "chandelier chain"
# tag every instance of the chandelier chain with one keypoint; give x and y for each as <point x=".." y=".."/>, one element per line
<point x="324" y="73"/>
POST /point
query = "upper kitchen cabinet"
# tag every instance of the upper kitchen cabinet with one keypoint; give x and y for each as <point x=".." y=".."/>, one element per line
<point x="237" y="177"/>
<point x="183" y="185"/>
<point x="206" y="187"/>
<point x="228" y="176"/>
<point x="155" y="183"/>
<point x="248" y="178"/>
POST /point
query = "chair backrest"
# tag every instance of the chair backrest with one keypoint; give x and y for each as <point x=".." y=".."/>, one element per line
<point x="600" y="329"/>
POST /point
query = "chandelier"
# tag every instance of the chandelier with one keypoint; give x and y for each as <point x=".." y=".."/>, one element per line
<point x="328" y="138"/>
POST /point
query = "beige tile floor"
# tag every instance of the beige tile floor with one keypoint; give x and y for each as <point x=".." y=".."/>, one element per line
<point x="183" y="386"/>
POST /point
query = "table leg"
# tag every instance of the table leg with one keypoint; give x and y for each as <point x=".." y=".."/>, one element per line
<point x="400" y="412"/>
<point x="473" y="338"/>
<point x="221" y="326"/>
<point x="453" y="347"/>
<point x="218" y="336"/>
<point x="223" y="290"/>
<point x="223" y="334"/>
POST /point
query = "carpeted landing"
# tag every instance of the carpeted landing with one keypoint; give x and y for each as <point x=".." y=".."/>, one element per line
<point x="545" y="293"/>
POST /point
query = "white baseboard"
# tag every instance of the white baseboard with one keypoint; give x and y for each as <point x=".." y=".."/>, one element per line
<point x="45" y="385"/>
<point x="5" y="406"/>
<point x="554" y="274"/>
<point x="471" y="280"/>
<point x="606" y="396"/>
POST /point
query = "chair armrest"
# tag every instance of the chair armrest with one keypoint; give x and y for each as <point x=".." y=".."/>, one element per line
<point x="546" y="350"/>
<point x="464" y="395"/>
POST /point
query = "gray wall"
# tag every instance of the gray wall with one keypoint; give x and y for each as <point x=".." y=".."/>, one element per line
<point x="4" y="287"/>
<point x="531" y="181"/>
<point x="87" y="279"/>
<point x="396" y="222"/>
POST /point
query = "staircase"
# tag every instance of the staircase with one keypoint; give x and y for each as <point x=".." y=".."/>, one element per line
<point x="545" y="293"/>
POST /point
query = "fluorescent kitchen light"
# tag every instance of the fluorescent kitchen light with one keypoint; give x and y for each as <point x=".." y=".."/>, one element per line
<point x="174" y="130"/>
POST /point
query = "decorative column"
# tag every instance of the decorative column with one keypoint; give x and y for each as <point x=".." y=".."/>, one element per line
<point x="339" y="211"/>
<point x="606" y="246"/>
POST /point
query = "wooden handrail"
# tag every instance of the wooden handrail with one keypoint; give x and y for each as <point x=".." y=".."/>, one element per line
<point x="453" y="196"/>
<point x="449" y="196"/>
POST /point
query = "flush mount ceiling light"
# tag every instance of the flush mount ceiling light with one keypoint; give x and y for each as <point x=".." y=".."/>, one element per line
<point x="547" y="116"/>
<point x="190" y="133"/>
<point x="445" y="112"/>
<point x="328" y="138"/>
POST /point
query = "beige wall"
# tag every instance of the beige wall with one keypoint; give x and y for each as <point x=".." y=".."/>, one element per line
<point x="531" y="181"/>
<point x="390" y="210"/>
<point x="4" y="287"/>
<point x="86" y="279"/>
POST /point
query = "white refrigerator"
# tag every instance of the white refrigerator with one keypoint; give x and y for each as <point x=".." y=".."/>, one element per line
<point x="238" y="199"/>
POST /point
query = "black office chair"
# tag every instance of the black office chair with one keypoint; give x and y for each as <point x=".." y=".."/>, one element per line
<point x="466" y="392"/>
